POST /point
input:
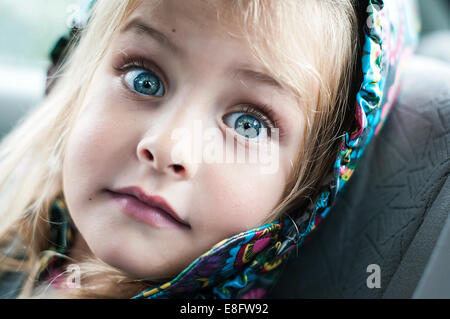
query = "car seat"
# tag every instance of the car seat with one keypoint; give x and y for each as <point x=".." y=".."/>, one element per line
<point x="397" y="216"/>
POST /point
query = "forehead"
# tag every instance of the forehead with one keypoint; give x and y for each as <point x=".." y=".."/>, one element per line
<point x="166" y="13"/>
<point x="188" y="28"/>
<point x="183" y="27"/>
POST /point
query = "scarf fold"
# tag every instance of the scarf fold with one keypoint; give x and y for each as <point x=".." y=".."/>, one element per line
<point x="248" y="264"/>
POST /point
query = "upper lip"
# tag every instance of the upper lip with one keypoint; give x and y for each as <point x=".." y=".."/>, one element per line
<point x="152" y="201"/>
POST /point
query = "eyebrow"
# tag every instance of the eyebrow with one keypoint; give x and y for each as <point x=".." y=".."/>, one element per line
<point x="259" y="77"/>
<point x="138" y="27"/>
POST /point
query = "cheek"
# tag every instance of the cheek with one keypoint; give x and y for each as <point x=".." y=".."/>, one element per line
<point x="97" y="145"/>
<point x="240" y="198"/>
<point x="98" y="132"/>
<point x="87" y="149"/>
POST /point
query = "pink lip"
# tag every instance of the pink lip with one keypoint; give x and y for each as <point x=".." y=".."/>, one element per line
<point x="153" y="210"/>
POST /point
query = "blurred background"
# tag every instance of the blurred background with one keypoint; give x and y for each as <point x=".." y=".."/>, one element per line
<point x="29" y="30"/>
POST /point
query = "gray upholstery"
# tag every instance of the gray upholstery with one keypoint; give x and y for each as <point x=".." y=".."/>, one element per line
<point x="394" y="207"/>
<point x="434" y="15"/>
<point x="434" y="282"/>
<point x="436" y="45"/>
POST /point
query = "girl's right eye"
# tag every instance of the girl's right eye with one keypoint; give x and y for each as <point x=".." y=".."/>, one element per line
<point x="144" y="82"/>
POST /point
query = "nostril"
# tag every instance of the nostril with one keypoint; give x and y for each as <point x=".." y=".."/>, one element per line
<point x="178" y="168"/>
<point x="149" y="155"/>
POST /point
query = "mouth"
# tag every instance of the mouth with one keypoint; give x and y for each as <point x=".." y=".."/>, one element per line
<point x="152" y="210"/>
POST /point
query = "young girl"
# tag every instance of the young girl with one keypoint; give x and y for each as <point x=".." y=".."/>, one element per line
<point x="96" y="201"/>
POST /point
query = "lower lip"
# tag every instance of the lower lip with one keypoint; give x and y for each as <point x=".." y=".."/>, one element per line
<point x="152" y="216"/>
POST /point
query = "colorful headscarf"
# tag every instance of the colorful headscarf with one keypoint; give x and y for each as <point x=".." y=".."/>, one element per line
<point x="248" y="264"/>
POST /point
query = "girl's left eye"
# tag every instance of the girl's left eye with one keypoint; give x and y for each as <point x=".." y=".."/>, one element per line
<point x="250" y="123"/>
<point x="245" y="125"/>
<point x="144" y="82"/>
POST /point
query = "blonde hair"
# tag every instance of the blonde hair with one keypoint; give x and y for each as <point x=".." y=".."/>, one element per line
<point x="31" y="156"/>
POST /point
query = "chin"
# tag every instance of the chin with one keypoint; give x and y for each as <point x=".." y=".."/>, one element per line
<point x="133" y="268"/>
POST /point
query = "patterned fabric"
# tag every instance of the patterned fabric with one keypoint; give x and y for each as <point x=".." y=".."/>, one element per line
<point x="61" y="234"/>
<point x="247" y="265"/>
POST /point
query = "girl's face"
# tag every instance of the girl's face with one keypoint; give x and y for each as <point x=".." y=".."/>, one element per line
<point x="167" y="69"/>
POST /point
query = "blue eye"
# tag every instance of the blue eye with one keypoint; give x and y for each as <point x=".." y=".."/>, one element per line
<point x="144" y="82"/>
<point x="246" y="125"/>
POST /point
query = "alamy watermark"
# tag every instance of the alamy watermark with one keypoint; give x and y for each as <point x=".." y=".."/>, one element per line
<point x="200" y="145"/>
<point x="73" y="280"/>
<point x="374" y="279"/>
<point x="74" y="15"/>
<point x="373" y="11"/>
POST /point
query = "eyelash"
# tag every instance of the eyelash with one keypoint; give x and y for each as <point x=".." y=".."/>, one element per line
<point x="260" y="110"/>
<point x="270" y="120"/>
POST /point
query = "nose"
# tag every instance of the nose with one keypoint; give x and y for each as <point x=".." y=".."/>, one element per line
<point x="156" y="152"/>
